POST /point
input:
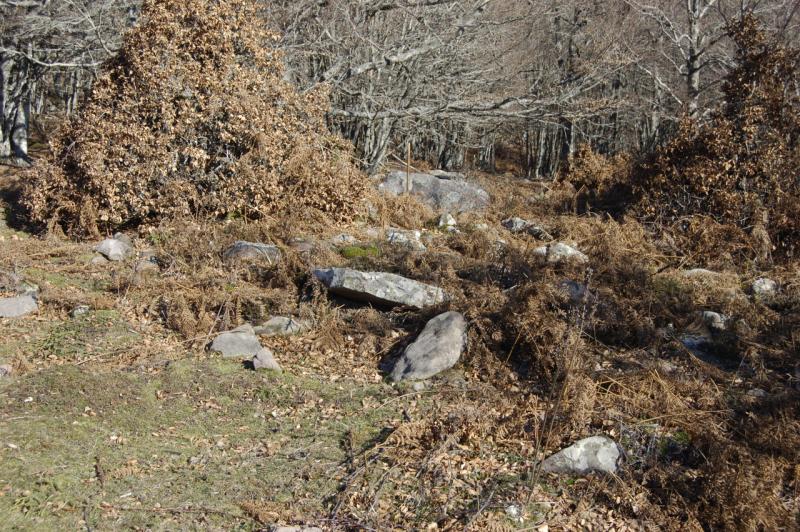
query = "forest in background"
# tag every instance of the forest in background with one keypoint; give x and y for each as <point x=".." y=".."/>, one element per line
<point x="519" y="84"/>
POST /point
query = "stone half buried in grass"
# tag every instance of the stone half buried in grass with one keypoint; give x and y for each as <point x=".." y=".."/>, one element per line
<point x="437" y="348"/>
<point x="253" y="252"/>
<point x="379" y="288"/>
<point x="598" y="454"/>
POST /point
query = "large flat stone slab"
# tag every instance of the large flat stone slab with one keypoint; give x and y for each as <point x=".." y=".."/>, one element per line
<point x="379" y="288"/>
<point x="446" y="195"/>
<point x="437" y="348"/>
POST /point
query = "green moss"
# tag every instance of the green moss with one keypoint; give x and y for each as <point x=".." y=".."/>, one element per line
<point x="356" y="252"/>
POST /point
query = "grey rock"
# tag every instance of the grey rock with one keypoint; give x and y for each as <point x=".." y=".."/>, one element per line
<point x="98" y="260"/>
<point x="281" y="326"/>
<point x="515" y="224"/>
<point x="757" y="392"/>
<point x="18" y="306"/>
<point x="714" y="320"/>
<point x="80" y="310"/>
<point x="437" y="348"/>
<point x="441" y="194"/>
<point x="265" y="359"/>
<point x="559" y="252"/>
<point x="764" y="287"/>
<point x="379" y="288"/>
<point x="241" y="251"/>
<point x="117" y="248"/>
<point x="518" y="225"/>
<point x="594" y="454"/>
<point x="410" y="239"/>
<point x="6" y="370"/>
<point x="240" y="342"/>
<point x="446" y="220"/>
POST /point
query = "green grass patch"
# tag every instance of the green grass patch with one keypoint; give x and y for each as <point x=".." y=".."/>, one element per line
<point x="202" y="435"/>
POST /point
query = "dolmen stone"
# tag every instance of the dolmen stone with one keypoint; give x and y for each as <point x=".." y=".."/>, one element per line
<point x="379" y="288"/>
<point x="254" y="252"/>
<point x="437" y="348"/>
<point x="442" y="194"/>
<point x="598" y="454"/>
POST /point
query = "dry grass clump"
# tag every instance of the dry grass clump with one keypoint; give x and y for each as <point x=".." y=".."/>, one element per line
<point x="193" y="118"/>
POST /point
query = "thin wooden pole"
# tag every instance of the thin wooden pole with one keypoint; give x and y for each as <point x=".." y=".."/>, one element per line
<point x="408" y="167"/>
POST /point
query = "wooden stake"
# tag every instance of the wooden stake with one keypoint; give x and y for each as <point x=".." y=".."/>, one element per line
<point x="408" y="168"/>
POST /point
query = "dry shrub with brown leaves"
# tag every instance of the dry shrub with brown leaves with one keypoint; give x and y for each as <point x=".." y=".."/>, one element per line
<point x="739" y="168"/>
<point x="193" y="118"/>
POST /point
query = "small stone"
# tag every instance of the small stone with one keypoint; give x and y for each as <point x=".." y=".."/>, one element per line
<point x="116" y="248"/>
<point x="437" y="348"/>
<point x="241" y="251"/>
<point x="593" y="454"/>
<point x="410" y="239"/>
<point x="80" y="310"/>
<point x="715" y="320"/>
<point x="240" y="342"/>
<point x="98" y="260"/>
<point x="764" y="288"/>
<point x="515" y="224"/>
<point x="6" y="370"/>
<point x="757" y="392"/>
<point x="559" y="252"/>
<point x="281" y="326"/>
<point x="518" y="225"/>
<point x="16" y="307"/>
<point x="446" y="220"/>
<point x="265" y="359"/>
